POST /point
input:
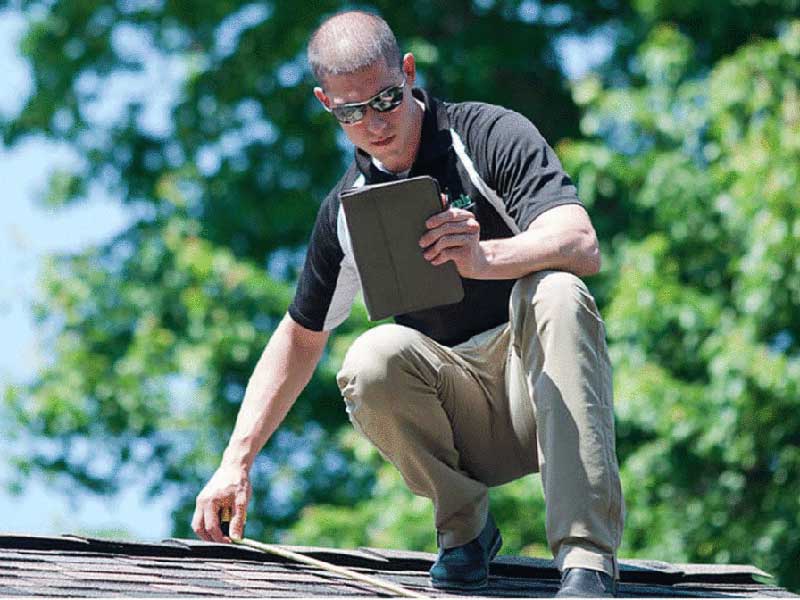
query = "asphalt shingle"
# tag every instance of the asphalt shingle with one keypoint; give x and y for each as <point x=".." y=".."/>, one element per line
<point x="72" y="566"/>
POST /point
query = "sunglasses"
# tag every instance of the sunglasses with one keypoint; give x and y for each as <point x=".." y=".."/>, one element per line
<point x="383" y="101"/>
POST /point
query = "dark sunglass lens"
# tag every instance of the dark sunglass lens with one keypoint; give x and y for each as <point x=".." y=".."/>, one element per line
<point x="349" y="114"/>
<point x="388" y="99"/>
<point x="385" y="101"/>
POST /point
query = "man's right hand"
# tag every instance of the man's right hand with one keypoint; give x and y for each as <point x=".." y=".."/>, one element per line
<point x="284" y="369"/>
<point x="228" y="487"/>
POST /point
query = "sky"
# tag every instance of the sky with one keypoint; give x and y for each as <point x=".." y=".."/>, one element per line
<point x="29" y="232"/>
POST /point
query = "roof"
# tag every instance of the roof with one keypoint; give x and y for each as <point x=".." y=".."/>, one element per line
<point x="89" y="567"/>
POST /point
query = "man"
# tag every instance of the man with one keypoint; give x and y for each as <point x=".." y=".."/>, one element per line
<point x="513" y="379"/>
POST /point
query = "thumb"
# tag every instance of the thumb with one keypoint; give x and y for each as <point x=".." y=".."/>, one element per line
<point x="239" y="518"/>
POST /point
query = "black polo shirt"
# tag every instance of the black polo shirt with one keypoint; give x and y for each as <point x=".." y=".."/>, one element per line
<point x="494" y="157"/>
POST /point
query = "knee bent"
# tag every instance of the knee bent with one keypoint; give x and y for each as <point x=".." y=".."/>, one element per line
<point x="558" y="289"/>
<point x="375" y="355"/>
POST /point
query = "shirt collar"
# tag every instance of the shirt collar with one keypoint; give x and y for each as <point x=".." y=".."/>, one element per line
<point x="435" y="140"/>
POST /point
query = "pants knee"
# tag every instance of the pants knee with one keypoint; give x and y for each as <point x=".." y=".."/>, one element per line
<point x="554" y="293"/>
<point x="373" y="361"/>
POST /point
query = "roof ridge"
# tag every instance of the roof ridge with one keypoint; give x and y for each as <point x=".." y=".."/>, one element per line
<point x="631" y="570"/>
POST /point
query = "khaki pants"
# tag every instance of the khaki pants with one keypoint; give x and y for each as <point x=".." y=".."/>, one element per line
<point x="531" y="395"/>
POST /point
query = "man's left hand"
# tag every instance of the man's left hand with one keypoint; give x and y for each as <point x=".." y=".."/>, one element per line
<point x="454" y="234"/>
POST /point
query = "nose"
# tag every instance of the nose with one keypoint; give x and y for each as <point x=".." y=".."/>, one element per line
<point x="375" y="121"/>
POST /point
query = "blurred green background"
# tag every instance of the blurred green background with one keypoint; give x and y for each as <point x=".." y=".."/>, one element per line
<point x="679" y="122"/>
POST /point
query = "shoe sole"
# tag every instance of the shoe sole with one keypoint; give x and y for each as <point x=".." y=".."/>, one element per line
<point x="497" y="543"/>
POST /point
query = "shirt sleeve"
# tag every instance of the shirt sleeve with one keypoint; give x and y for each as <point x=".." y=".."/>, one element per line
<point x="522" y="168"/>
<point x="327" y="285"/>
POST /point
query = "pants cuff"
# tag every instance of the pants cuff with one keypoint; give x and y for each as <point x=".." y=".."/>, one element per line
<point x="464" y="526"/>
<point x="570" y="557"/>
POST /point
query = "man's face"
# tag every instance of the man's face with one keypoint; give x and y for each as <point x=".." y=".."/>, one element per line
<point x="391" y="137"/>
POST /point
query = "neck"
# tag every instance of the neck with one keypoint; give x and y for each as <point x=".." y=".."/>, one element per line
<point x="416" y="137"/>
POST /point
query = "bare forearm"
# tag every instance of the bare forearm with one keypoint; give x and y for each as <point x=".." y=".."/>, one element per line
<point x="560" y="238"/>
<point x="284" y="369"/>
<point x="539" y="249"/>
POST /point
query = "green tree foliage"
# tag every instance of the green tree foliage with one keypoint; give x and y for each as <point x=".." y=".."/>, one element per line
<point x="685" y="149"/>
<point x="702" y="311"/>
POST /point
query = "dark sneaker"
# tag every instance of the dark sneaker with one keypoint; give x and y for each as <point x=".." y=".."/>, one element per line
<point x="586" y="583"/>
<point x="467" y="567"/>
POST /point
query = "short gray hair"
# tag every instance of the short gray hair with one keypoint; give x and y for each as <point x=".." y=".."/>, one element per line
<point x="350" y="41"/>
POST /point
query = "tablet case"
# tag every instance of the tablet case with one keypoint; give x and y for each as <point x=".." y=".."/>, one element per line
<point x="385" y="222"/>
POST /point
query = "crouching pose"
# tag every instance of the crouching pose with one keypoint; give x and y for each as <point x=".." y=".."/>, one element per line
<point x="513" y="379"/>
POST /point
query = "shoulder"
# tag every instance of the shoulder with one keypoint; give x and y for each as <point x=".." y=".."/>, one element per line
<point x="469" y="118"/>
<point x="490" y="128"/>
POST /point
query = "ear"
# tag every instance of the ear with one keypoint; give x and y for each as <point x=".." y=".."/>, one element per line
<point x="409" y="68"/>
<point x="326" y="102"/>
